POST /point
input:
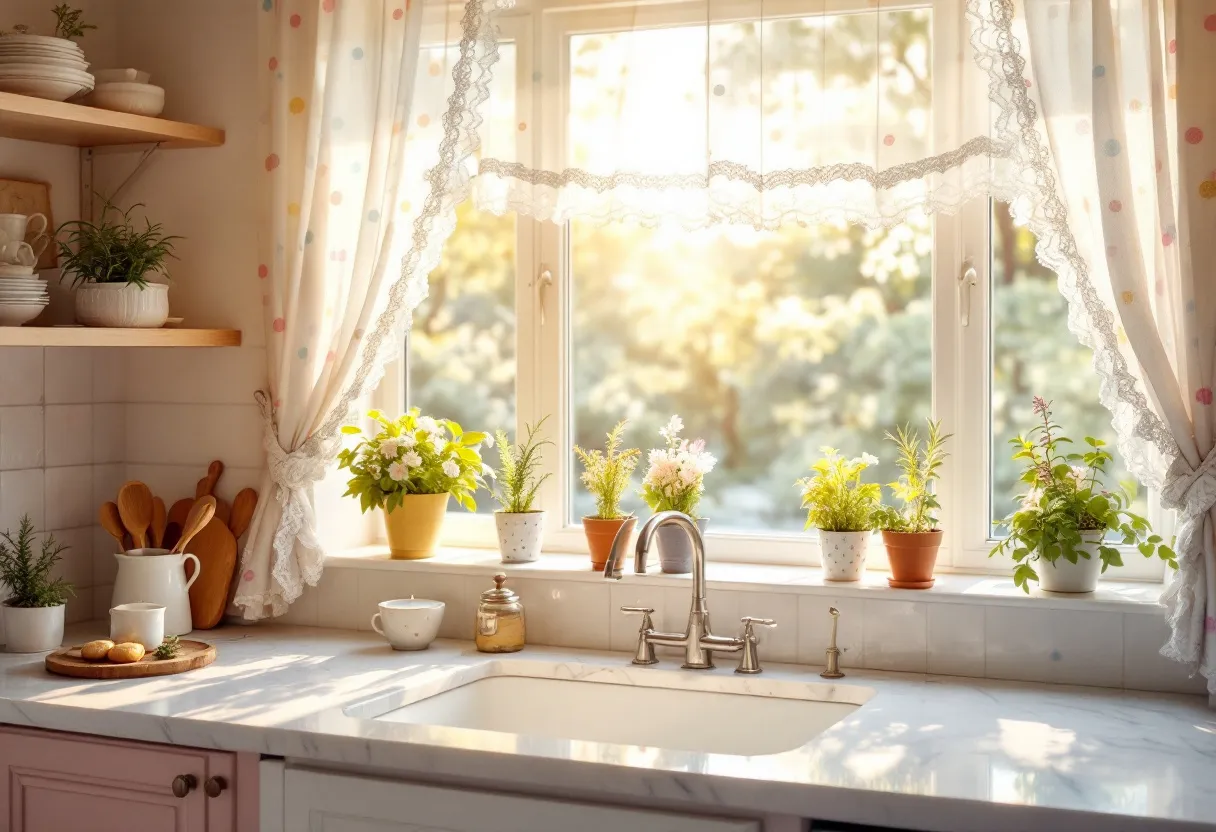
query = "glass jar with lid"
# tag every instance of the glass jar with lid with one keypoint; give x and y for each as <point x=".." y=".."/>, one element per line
<point x="499" y="627"/>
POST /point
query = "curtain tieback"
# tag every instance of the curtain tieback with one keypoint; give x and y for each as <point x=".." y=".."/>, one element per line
<point x="1192" y="492"/>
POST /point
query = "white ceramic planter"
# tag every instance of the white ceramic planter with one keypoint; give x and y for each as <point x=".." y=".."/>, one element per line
<point x="844" y="554"/>
<point x="122" y="305"/>
<point x="1082" y="576"/>
<point x="519" y="535"/>
<point x="32" y="629"/>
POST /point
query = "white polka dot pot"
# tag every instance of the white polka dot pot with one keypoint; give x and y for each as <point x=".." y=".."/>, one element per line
<point x="844" y="554"/>
<point x="519" y="535"/>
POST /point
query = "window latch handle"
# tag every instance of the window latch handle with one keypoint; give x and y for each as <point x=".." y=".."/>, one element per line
<point x="966" y="279"/>
<point x="543" y="282"/>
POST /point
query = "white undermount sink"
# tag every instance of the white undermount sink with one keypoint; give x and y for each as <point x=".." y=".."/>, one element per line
<point x="710" y="712"/>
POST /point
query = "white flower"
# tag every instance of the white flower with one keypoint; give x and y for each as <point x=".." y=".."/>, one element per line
<point x="428" y="424"/>
<point x="1031" y="500"/>
<point x="398" y="471"/>
<point x="389" y="447"/>
<point x="488" y="441"/>
<point x="672" y="430"/>
<point x="438" y="440"/>
<point x="407" y="440"/>
<point x="374" y="470"/>
<point x="487" y="471"/>
<point x="451" y="468"/>
<point x="412" y="459"/>
<point x="869" y="459"/>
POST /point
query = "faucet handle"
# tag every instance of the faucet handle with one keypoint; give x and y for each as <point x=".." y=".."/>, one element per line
<point x="644" y="654"/>
<point x="749" y="657"/>
<point x="748" y="621"/>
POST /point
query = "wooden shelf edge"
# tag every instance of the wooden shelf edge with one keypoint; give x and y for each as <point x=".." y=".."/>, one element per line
<point x="59" y="122"/>
<point x="81" y="336"/>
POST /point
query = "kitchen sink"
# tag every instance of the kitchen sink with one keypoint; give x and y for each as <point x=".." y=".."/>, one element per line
<point x="713" y="712"/>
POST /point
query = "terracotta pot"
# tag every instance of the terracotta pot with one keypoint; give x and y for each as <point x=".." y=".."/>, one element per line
<point x="1082" y="576"/>
<point x="413" y="527"/>
<point x="600" y="534"/>
<point x="675" y="548"/>
<point x="912" y="556"/>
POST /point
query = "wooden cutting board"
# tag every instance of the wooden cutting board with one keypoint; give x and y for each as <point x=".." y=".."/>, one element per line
<point x="191" y="656"/>
<point x="215" y="548"/>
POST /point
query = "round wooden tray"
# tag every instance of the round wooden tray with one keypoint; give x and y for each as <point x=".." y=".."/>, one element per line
<point x="192" y="655"/>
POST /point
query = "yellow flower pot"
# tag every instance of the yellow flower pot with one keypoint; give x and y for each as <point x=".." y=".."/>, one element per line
<point x="414" y="526"/>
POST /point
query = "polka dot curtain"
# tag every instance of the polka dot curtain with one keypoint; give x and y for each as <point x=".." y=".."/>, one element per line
<point x="1114" y="120"/>
<point x="355" y="209"/>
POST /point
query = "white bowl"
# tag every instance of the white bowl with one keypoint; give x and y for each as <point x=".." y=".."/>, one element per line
<point x="57" y="73"/>
<point x="43" y="87"/>
<point x="43" y="41"/>
<point x="129" y="97"/>
<point x="118" y="76"/>
<point x="16" y="314"/>
<point x="122" y="305"/>
<point x="13" y="270"/>
<point x="7" y="59"/>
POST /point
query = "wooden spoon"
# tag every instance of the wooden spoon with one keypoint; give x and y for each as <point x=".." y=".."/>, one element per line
<point x="242" y="511"/>
<point x="200" y="515"/>
<point x="135" y="509"/>
<point x="160" y="519"/>
<point x="111" y="521"/>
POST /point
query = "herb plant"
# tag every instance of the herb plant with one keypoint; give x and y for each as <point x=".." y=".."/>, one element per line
<point x="835" y="498"/>
<point x="27" y="575"/>
<point x="113" y="251"/>
<point x="675" y="480"/>
<point x="606" y="473"/>
<point x="168" y="648"/>
<point x="1064" y="500"/>
<point x="517" y="477"/>
<point x="67" y="22"/>
<point x="921" y="465"/>
<point x="413" y="454"/>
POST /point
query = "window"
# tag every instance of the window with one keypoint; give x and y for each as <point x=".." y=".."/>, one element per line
<point x="770" y="343"/>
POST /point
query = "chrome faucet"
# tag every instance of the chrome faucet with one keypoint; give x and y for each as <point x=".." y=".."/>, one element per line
<point x="698" y="642"/>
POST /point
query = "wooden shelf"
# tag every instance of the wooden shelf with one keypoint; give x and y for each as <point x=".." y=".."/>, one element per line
<point x="83" y="336"/>
<point x="57" y="122"/>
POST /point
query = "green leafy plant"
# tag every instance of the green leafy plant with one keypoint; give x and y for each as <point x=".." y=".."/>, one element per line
<point x="413" y="454"/>
<point x="921" y="465"/>
<point x="67" y="22"/>
<point x="27" y="575"/>
<point x="675" y="479"/>
<point x="1064" y="501"/>
<point x="606" y="473"/>
<point x="517" y="477"/>
<point x="113" y="251"/>
<point x="835" y="498"/>
<point x="168" y="648"/>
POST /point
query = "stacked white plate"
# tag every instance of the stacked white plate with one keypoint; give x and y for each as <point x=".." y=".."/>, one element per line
<point x="44" y="67"/>
<point x="21" y="298"/>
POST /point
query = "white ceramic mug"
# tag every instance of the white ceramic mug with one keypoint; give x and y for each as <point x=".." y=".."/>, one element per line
<point x="18" y="253"/>
<point x="19" y="226"/>
<point x="409" y="623"/>
<point x="140" y="622"/>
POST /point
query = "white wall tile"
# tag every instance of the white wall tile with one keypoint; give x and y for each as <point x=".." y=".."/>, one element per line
<point x="565" y="613"/>
<point x="109" y="371"/>
<point x="815" y="626"/>
<point x="21" y="430"/>
<point x="105" y="566"/>
<point x="103" y="597"/>
<point x="69" y="375"/>
<point x="196" y="376"/>
<point x="21" y="493"/>
<point x="69" y="497"/>
<point x="107" y="479"/>
<point x="109" y="432"/>
<point x="76" y="562"/>
<point x="303" y="611"/>
<point x="896" y="635"/>
<point x="80" y="606"/>
<point x="69" y="434"/>
<point x="458" y="593"/>
<point x="195" y="434"/>
<point x="774" y="644"/>
<point x="1066" y="646"/>
<point x="956" y="640"/>
<point x="1144" y="668"/>
<point x="372" y="588"/>
<point x="622" y="628"/>
<point x="21" y="375"/>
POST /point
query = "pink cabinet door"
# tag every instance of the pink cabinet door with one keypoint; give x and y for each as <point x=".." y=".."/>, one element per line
<point x="56" y="782"/>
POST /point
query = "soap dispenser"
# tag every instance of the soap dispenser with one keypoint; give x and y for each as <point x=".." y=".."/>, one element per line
<point x="500" y="620"/>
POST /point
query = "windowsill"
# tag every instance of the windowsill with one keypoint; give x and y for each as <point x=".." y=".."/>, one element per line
<point x="956" y="588"/>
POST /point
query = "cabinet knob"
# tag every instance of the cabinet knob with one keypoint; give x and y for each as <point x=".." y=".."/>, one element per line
<point x="183" y="784"/>
<point x="214" y="786"/>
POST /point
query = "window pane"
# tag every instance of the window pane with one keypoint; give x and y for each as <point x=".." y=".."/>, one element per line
<point x="1034" y="354"/>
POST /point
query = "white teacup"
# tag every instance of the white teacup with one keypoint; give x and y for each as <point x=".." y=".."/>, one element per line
<point x="408" y="623"/>
<point x="18" y="253"/>
<point x="141" y="623"/>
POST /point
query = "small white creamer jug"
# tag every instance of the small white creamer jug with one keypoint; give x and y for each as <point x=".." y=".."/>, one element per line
<point x="157" y="576"/>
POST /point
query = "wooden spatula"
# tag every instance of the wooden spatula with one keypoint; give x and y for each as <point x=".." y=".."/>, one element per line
<point x="200" y="515"/>
<point x="160" y="519"/>
<point x="242" y="511"/>
<point x="111" y="521"/>
<point x="135" y="509"/>
<point x="206" y="485"/>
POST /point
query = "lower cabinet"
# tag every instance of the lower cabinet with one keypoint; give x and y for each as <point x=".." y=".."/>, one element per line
<point x="57" y="782"/>
<point x="315" y="801"/>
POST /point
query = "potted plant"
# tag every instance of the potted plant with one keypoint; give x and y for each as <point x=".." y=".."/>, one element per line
<point x="1067" y="512"/>
<point x="675" y="481"/>
<point x="33" y="612"/>
<point x="113" y="264"/>
<point x="520" y="529"/>
<point x="841" y="507"/>
<point x="409" y="469"/>
<point x="910" y="533"/>
<point x="606" y="475"/>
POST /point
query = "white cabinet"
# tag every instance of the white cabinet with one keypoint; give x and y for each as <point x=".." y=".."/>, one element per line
<point x="320" y="802"/>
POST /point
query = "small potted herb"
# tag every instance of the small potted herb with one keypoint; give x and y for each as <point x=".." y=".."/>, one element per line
<point x="910" y="533"/>
<point x="520" y="529"/>
<point x="841" y="506"/>
<point x="409" y="469"/>
<point x="33" y="612"/>
<point x="67" y="22"/>
<point x="1067" y="512"/>
<point x="606" y="475"/>
<point x="675" y="481"/>
<point x="113" y="265"/>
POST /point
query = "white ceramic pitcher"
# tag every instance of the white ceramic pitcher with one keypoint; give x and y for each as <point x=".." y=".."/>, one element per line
<point x="156" y="576"/>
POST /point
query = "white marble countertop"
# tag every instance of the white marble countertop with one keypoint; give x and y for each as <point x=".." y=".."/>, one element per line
<point x="922" y="753"/>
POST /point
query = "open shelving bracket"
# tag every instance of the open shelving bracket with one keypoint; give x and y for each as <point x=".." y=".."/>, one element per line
<point x="87" y="190"/>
